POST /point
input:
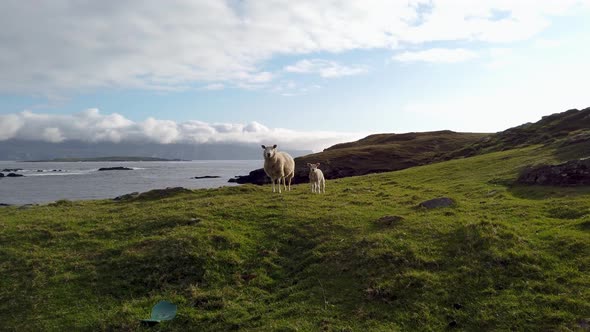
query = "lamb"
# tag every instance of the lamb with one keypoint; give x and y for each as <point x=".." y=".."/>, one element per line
<point x="278" y="165"/>
<point x="316" y="179"/>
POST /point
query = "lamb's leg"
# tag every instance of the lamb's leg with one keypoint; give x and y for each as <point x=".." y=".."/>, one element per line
<point x="273" y="184"/>
<point x="279" y="183"/>
<point x="291" y="178"/>
<point x="311" y="185"/>
<point x="285" y="183"/>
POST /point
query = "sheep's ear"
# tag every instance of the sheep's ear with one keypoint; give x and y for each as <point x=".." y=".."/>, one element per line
<point x="274" y="146"/>
<point x="318" y="164"/>
<point x="308" y="165"/>
<point x="264" y="147"/>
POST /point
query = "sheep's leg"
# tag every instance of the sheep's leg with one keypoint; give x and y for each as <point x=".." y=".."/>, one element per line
<point x="311" y="186"/>
<point x="285" y="183"/>
<point x="291" y="178"/>
<point x="279" y="183"/>
<point x="273" y="184"/>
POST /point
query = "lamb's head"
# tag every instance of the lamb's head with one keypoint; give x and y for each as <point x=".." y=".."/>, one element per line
<point x="269" y="151"/>
<point x="313" y="167"/>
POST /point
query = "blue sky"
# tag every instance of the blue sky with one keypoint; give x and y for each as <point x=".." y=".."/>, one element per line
<point x="304" y="74"/>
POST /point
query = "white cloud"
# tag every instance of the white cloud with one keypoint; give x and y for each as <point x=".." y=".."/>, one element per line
<point x="437" y="55"/>
<point x="324" y="68"/>
<point x="214" y="86"/>
<point x="93" y="126"/>
<point x="64" y="45"/>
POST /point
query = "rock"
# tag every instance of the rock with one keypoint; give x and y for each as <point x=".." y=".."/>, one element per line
<point x="39" y="171"/>
<point x="389" y="220"/>
<point x="257" y="176"/>
<point x="1" y="175"/>
<point x="126" y="196"/>
<point x="571" y="173"/>
<point x="13" y="175"/>
<point x="12" y="169"/>
<point x="4" y="204"/>
<point x="153" y="194"/>
<point x="118" y="168"/>
<point x="437" y="203"/>
<point x="207" y="177"/>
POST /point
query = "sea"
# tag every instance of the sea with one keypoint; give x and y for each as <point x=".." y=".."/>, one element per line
<point x="44" y="182"/>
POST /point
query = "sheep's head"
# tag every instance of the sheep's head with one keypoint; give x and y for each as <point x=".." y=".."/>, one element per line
<point x="313" y="167"/>
<point x="269" y="151"/>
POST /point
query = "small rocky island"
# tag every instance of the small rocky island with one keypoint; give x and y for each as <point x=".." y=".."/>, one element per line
<point x="10" y="175"/>
<point x="117" y="168"/>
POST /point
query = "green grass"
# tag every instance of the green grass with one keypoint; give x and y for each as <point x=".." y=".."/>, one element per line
<point x="241" y="258"/>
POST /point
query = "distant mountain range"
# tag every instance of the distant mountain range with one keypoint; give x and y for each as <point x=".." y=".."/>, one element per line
<point x="39" y="150"/>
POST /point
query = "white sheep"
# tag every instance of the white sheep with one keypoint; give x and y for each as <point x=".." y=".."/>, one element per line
<point x="316" y="179"/>
<point x="278" y="165"/>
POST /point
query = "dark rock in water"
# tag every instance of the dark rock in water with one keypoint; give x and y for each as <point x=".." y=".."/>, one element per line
<point x="389" y="220"/>
<point x="118" y="168"/>
<point x="4" y="204"/>
<point x="153" y="194"/>
<point x="13" y="175"/>
<point x="1" y="175"/>
<point x="39" y="171"/>
<point x="207" y="177"/>
<point x="12" y="169"/>
<point x="437" y="203"/>
<point x="571" y="173"/>
<point x="257" y="176"/>
<point x="126" y="196"/>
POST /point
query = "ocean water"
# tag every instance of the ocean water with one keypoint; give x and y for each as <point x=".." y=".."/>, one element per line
<point x="50" y="181"/>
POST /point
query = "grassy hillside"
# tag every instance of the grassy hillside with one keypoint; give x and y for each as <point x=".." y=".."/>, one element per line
<point x="376" y="154"/>
<point x="240" y="258"/>
<point x="563" y="129"/>
<point x="392" y="152"/>
<point x="387" y="152"/>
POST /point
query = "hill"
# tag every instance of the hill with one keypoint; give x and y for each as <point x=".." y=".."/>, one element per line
<point x="505" y="257"/>
<point x="566" y="129"/>
<point x="14" y="149"/>
<point x="376" y="154"/>
<point x="97" y="159"/>
<point x="569" y="131"/>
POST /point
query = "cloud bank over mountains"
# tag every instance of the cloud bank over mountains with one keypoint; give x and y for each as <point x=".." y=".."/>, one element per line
<point x="84" y="45"/>
<point x="93" y="126"/>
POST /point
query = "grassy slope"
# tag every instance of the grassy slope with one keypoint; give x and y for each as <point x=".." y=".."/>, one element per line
<point x="384" y="153"/>
<point x="513" y="257"/>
